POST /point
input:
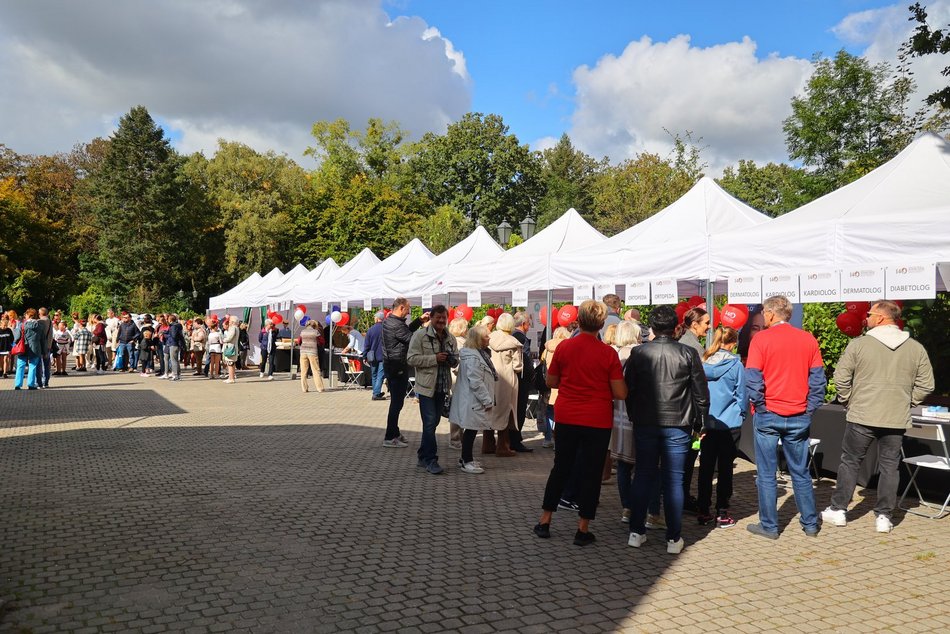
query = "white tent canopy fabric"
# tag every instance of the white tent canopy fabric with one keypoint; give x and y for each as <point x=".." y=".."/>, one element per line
<point x="283" y="292"/>
<point x="478" y="248"/>
<point x="526" y="265"/>
<point x="322" y="289"/>
<point x="241" y="299"/>
<point x="899" y="212"/>
<point x="371" y="283"/>
<point x="674" y="242"/>
<point x="226" y="299"/>
<point x="258" y="295"/>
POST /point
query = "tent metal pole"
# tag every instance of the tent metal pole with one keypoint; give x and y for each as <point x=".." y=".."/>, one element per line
<point x="293" y="372"/>
<point x="710" y="306"/>
<point x="549" y="329"/>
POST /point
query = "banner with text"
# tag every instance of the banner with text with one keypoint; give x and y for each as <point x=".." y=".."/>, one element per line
<point x="637" y="293"/>
<point x="367" y="304"/>
<point x="745" y="289"/>
<point x="781" y="284"/>
<point x="820" y="286"/>
<point x="664" y="291"/>
<point x="519" y="297"/>
<point x="604" y="289"/>
<point x="862" y="284"/>
<point x="911" y="281"/>
<point x="474" y="299"/>
<point x="582" y="294"/>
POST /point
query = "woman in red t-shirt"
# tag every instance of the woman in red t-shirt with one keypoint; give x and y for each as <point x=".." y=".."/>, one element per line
<point x="589" y="378"/>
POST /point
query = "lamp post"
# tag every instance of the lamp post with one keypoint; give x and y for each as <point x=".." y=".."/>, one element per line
<point x="504" y="232"/>
<point x="527" y="227"/>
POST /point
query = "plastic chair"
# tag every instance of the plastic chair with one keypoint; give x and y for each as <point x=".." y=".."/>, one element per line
<point x="812" y="449"/>
<point x="932" y="432"/>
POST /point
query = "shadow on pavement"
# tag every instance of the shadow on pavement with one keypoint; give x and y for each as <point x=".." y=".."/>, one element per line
<point x="297" y="528"/>
<point x="58" y="405"/>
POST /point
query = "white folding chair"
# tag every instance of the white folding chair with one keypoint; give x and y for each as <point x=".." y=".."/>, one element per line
<point x="353" y="370"/>
<point x="933" y="432"/>
<point x="812" y="448"/>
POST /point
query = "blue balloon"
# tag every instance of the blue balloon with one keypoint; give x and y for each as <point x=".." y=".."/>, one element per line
<point x="304" y="320"/>
<point x="335" y="307"/>
<point x="327" y="319"/>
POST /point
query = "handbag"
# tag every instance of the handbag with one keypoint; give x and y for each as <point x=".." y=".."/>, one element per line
<point x="446" y="405"/>
<point x="19" y="347"/>
<point x="229" y="350"/>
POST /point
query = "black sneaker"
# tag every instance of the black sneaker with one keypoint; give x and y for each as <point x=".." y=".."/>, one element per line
<point x="582" y="539"/>
<point x="542" y="530"/>
<point x="568" y="506"/>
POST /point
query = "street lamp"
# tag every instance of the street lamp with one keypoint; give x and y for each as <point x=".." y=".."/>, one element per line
<point x="527" y="227"/>
<point x="504" y="232"/>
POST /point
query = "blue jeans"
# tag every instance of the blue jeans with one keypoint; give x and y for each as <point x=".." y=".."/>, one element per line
<point x="160" y="355"/>
<point x="134" y="354"/>
<point x="430" y="408"/>
<point x="659" y="448"/>
<point x="28" y="363"/>
<point x="122" y="353"/>
<point x="793" y="431"/>
<point x="546" y="422"/>
<point x="378" y="374"/>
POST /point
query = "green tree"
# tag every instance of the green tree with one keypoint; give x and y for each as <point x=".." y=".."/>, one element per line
<point x="443" y="228"/>
<point x="773" y="189"/>
<point x="139" y="197"/>
<point x="636" y="189"/>
<point x="568" y="176"/>
<point x="479" y="168"/>
<point x="842" y="125"/>
<point x="928" y="41"/>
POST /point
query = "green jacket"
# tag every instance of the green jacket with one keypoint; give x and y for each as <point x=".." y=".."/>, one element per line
<point x="881" y="376"/>
<point x="423" y="347"/>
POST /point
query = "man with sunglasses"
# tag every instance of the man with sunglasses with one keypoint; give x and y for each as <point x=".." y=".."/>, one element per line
<point x="879" y="378"/>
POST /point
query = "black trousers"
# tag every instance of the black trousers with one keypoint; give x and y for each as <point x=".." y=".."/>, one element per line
<point x="580" y="450"/>
<point x="717" y="453"/>
<point x="397" y="377"/>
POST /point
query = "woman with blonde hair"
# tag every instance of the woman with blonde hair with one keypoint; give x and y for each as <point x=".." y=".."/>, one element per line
<point x="506" y="355"/>
<point x="610" y="336"/>
<point x="488" y="322"/>
<point x="589" y="377"/>
<point x="229" y="346"/>
<point x="621" y="438"/>
<point x="473" y="397"/>
<point x="728" y="405"/>
<point x="458" y="328"/>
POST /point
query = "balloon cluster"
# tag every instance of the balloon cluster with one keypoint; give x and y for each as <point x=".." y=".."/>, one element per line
<point x="563" y="316"/>
<point x="275" y="317"/>
<point x="462" y="311"/>
<point x="852" y="321"/>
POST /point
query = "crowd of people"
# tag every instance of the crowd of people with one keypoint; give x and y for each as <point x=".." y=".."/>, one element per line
<point x="613" y="395"/>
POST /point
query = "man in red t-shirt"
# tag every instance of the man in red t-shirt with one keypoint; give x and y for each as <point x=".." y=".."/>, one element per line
<point x="785" y="378"/>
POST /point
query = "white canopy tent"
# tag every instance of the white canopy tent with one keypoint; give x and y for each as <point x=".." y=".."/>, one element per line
<point x="243" y="298"/>
<point x="226" y="299"/>
<point x="283" y="292"/>
<point x="479" y="248"/>
<point x="258" y="295"/>
<point x="898" y="214"/>
<point x="371" y="284"/>
<point x="525" y="266"/>
<point x="321" y="290"/>
<point x="674" y="242"/>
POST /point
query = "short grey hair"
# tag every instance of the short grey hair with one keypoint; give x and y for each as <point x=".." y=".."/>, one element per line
<point x="779" y="305"/>
<point x="505" y="323"/>
<point x="521" y="318"/>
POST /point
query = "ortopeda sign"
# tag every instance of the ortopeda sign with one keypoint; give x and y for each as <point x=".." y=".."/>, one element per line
<point x="863" y="284"/>
<point x="911" y="281"/>
<point x="664" y="291"/>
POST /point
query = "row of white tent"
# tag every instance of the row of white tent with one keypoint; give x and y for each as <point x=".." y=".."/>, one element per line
<point x="898" y="214"/>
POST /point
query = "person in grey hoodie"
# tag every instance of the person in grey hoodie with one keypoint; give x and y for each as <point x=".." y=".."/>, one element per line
<point x="879" y="378"/>
<point x="728" y="405"/>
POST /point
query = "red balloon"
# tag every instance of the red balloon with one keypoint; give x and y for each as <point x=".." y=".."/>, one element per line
<point x="302" y="309"/>
<point x="464" y="311"/>
<point x="681" y="309"/>
<point x="495" y="313"/>
<point x="850" y="323"/>
<point x="214" y="317"/>
<point x="344" y="319"/>
<point x="716" y="316"/>
<point x="544" y="316"/>
<point x="278" y="319"/>
<point x="696" y="300"/>
<point x="567" y="315"/>
<point x="733" y="317"/>
<point x="858" y="308"/>
<point x="386" y="312"/>
<point x="900" y="324"/>
<point x="899" y="302"/>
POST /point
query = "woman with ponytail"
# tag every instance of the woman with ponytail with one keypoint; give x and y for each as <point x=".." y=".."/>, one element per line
<point x="728" y="405"/>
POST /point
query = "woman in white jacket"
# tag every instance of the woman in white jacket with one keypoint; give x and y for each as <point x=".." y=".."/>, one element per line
<point x="473" y="398"/>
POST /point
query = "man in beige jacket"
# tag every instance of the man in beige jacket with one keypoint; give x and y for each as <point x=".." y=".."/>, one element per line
<point x="879" y="378"/>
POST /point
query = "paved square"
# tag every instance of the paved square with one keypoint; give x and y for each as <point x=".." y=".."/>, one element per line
<point x="138" y="505"/>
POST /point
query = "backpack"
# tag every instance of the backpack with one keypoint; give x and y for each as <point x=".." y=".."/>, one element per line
<point x="540" y="378"/>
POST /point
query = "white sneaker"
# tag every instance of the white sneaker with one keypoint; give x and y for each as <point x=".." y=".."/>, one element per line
<point x="394" y="443"/>
<point x="270" y="378"/>
<point x="675" y="548"/>
<point x="834" y="517"/>
<point x="883" y="524"/>
<point x="229" y="381"/>
<point x="636" y="540"/>
<point x="262" y="375"/>
<point x="547" y="444"/>
<point x="470" y="467"/>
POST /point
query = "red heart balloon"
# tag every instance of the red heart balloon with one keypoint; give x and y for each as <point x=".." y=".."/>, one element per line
<point x="850" y="323"/>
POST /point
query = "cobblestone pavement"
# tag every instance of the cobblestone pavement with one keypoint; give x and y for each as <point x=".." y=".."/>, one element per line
<point x="132" y="504"/>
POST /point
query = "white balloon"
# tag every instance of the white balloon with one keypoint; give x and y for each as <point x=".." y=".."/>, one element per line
<point x="335" y="316"/>
<point x="298" y="314"/>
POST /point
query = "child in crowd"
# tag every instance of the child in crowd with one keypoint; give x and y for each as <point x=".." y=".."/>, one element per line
<point x="6" y="343"/>
<point x="147" y="347"/>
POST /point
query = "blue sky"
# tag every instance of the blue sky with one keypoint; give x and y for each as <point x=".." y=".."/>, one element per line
<point x="521" y="55"/>
<point x="615" y="75"/>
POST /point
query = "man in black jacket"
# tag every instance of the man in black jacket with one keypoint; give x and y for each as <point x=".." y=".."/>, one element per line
<point x="396" y="336"/>
<point x="522" y="326"/>
<point x="668" y="399"/>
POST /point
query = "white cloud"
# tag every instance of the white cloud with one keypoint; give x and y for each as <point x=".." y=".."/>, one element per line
<point x="724" y="94"/>
<point x="544" y="143"/>
<point x="257" y="72"/>
<point x="883" y="31"/>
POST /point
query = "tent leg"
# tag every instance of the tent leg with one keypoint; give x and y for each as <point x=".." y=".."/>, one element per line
<point x="550" y="327"/>
<point x="710" y="306"/>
